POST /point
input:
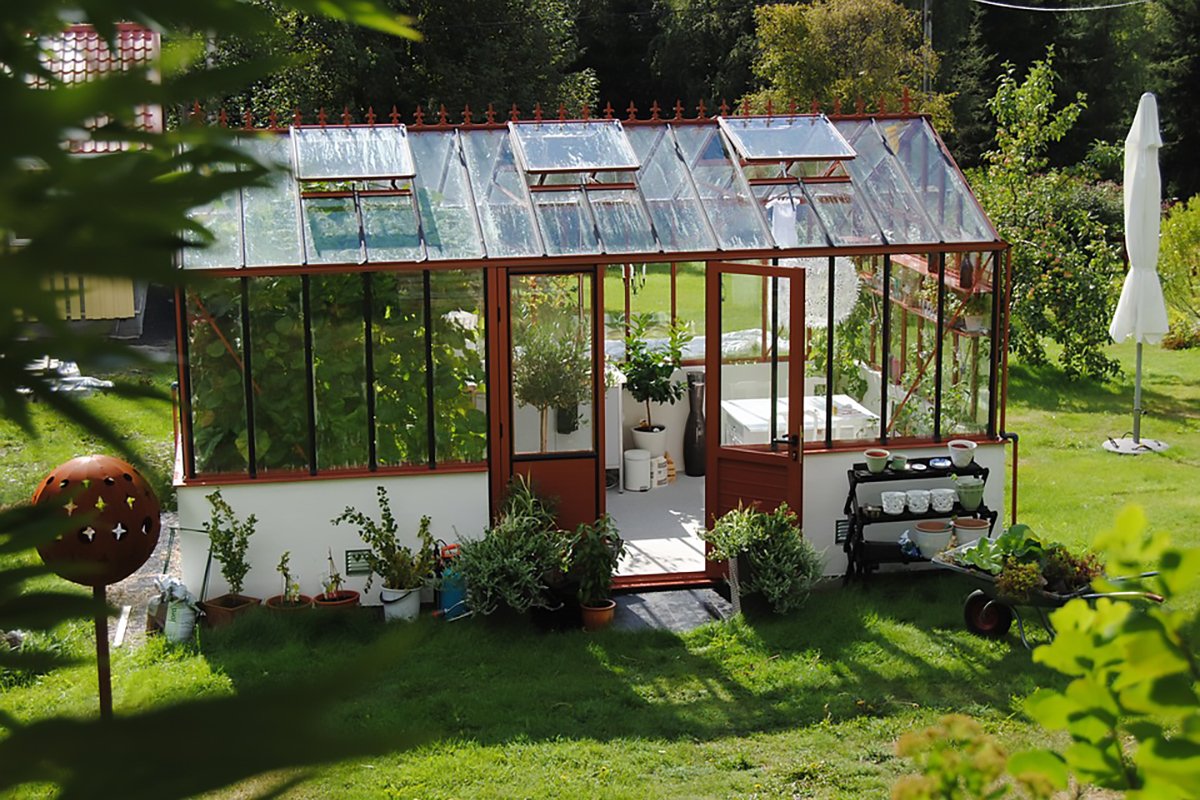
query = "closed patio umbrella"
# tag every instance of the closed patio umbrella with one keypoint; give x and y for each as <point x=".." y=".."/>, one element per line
<point x="1141" y="312"/>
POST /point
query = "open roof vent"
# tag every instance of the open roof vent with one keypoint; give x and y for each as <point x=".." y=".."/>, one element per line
<point x="807" y="137"/>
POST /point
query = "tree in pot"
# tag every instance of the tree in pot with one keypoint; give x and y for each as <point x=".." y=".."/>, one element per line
<point x="333" y="595"/>
<point x="552" y="368"/>
<point x="402" y="570"/>
<point x="592" y="559"/>
<point x="648" y="369"/>
<point x="290" y="598"/>
<point x="229" y="538"/>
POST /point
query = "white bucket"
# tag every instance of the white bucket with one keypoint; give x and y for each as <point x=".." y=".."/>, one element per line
<point x="400" y="604"/>
<point x="181" y="620"/>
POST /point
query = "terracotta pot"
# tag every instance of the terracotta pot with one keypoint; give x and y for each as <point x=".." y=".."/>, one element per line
<point x="221" y="610"/>
<point x="345" y="598"/>
<point x="277" y="603"/>
<point x="599" y="615"/>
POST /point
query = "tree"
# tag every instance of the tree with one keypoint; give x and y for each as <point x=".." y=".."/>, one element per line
<point x="1179" y="262"/>
<point x="1065" y="258"/>
<point x="704" y="50"/>
<point x="1177" y="76"/>
<point x="843" y="50"/>
<point x="969" y="79"/>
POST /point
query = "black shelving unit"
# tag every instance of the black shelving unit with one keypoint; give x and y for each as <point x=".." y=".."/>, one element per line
<point x="864" y="556"/>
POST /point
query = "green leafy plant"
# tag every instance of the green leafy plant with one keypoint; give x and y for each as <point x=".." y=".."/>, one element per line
<point x="229" y="538"/>
<point x="648" y="370"/>
<point x="956" y="759"/>
<point x="782" y="565"/>
<point x="592" y="558"/>
<point x="291" y="582"/>
<point x="552" y="367"/>
<point x="398" y="566"/>
<point x="1023" y="564"/>
<point x="333" y="580"/>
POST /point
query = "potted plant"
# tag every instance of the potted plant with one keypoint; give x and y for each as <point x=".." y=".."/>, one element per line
<point x="592" y="559"/>
<point x="333" y="595"/>
<point x="229" y="539"/>
<point x="552" y="369"/>
<point x="402" y="570"/>
<point x="290" y="598"/>
<point x="649" y="370"/>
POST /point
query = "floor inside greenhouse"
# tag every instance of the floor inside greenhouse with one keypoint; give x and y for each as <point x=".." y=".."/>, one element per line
<point x="661" y="527"/>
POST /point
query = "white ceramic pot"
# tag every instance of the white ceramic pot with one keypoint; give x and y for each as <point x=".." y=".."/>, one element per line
<point x="918" y="500"/>
<point x="942" y="500"/>
<point x="893" y="502"/>
<point x="400" y="604"/>
<point x="970" y="529"/>
<point x="931" y="537"/>
<point x="962" y="452"/>
<point x="654" y="442"/>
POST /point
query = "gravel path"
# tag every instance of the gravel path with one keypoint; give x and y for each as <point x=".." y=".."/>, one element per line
<point x="138" y="589"/>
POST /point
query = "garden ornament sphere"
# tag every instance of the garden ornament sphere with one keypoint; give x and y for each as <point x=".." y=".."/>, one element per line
<point x="117" y="515"/>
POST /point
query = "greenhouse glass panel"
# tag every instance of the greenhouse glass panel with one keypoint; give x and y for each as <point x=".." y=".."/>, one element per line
<point x="215" y="375"/>
<point x="794" y="223"/>
<point x="572" y="146"/>
<point x="328" y="154"/>
<point x="674" y="205"/>
<point x="938" y="185"/>
<point x="565" y="223"/>
<point x="390" y="228"/>
<point x="222" y="218"/>
<point x="447" y="213"/>
<point x="880" y="178"/>
<point x="724" y="192"/>
<point x="339" y="369"/>
<point x="501" y="196"/>
<point x="459" y="367"/>
<point x="787" y="138"/>
<point x="845" y="215"/>
<point x="623" y="223"/>
<point x="331" y="231"/>
<point x="398" y="345"/>
<point x="277" y="360"/>
<point x="271" y="229"/>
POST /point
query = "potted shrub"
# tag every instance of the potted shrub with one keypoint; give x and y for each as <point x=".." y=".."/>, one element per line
<point x="290" y="598"/>
<point x="592" y="559"/>
<point x="229" y="539"/>
<point x="333" y="595"/>
<point x="403" y="571"/>
<point x="649" y="369"/>
<point x="552" y="369"/>
<point x="773" y="558"/>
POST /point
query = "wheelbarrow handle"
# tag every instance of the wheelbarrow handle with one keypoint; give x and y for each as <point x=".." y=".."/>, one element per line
<point x="1138" y="577"/>
<point x="1157" y="598"/>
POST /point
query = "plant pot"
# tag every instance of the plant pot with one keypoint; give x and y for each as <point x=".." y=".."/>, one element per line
<point x="970" y="529"/>
<point x="220" y="611"/>
<point x="400" y="604"/>
<point x="598" y="615"/>
<point x="931" y="537"/>
<point x="345" y="598"/>
<point x="279" y="603"/>
<point x="970" y="492"/>
<point x="653" y="441"/>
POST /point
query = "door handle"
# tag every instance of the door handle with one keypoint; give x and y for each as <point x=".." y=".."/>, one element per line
<point x="793" y="441"/>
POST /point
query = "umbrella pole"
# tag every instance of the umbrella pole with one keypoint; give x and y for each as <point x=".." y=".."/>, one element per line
<point x="1137" y="397"/>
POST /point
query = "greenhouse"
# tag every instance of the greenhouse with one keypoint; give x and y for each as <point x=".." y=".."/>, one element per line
<point x="437" y="308"/>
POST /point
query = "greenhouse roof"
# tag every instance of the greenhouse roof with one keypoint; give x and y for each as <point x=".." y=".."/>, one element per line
<point x="648" y="190"/>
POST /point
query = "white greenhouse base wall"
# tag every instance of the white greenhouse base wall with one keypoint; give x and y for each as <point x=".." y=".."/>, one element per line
<point x="296" y="517"/>
<point x="826" y="486"/>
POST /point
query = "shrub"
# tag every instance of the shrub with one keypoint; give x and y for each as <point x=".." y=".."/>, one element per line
<point x="229" y="538"/>
<point x="397" y="566"/>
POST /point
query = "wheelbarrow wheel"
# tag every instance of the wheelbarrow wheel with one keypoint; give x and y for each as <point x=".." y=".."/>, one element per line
<point x="986" y="617"/>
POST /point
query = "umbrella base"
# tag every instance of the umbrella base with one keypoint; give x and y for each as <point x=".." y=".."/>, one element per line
<point x="1126" y="446"/>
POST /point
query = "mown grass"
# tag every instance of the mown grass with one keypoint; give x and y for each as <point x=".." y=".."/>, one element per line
<point x="809" y="705"/>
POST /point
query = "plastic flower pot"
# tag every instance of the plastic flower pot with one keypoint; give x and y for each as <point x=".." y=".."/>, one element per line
<point x="400" y="604"/>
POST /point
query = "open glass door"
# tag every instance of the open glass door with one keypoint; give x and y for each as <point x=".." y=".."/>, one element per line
<point x="756" y="386"/>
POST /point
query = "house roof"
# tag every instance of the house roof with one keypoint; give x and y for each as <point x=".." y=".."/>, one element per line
<point x="642" y="190"/>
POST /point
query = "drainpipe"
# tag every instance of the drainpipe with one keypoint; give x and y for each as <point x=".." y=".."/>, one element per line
<point x="1012" y="437"/>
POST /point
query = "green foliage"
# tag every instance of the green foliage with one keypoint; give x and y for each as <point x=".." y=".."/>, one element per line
<point x="649" y="369"/>
<point x="592" y="558"/>
<point x="333" y="580"/>
<point x="1176" y="69"/>
<point x="1023" y="564"/>
<point x="956" y="759"/>
<point x="229" y="538"/>
<point x="1179" y="262"/>
<point x="552" y="366"/>
<point x="398" y="566"/>
<point x="1066" y="257"/>
<point x="291" y="583"/>
<point x="843" y="50"/>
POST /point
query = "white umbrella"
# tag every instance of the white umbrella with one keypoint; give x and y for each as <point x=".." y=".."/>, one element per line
<point x="1141" y="312"/>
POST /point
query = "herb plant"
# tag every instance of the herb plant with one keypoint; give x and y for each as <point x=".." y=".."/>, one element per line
<point x="291" y="583"/>
<point x="399" y="567"/>
<point x="229" y="538"/>
<point x="592" y="558"/>
<point x="783" y="565"/>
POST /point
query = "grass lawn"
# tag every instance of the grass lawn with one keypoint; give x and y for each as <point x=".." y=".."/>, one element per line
<point x="809" y="705"/>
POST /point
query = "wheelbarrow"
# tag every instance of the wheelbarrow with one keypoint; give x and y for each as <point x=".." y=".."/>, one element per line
<point x="990" y="615"/>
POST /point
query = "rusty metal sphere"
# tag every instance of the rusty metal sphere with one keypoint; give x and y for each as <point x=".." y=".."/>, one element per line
<point x="117" y="517"/>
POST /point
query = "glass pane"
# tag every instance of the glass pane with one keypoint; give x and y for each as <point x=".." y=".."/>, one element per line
<point x="793" y="221"/>
<point x="272" y="232"/>
<point x="913" y="346"/>
<point x="500" y="194"/>
<point x="573" y="146"/>
<point x="754" y="311"/>
<point x="846" y="217"/>
<point x="331" y="233"/>
<point x="727" y="198"/>
<point x="215" y="366"/>
<point x="339" y="370"/>
<point x="398" y="331"/>
<point x="280" y="380"/>
<point x="785" y="138"/>
<point x="552" y="375"/>
<point x="390" y="227"/>
<point x="337" y="153"/>
<point x="879" y="178"/>
<point x="615" y="287"/>
<point x="624" y="226"/>
<point x="221" y="218"/>
<point x="459" y="372"/>
<point x="857" y="333"/>
<point x="650" y="297"/>
<point x="674" y="205"/>
<point x="447" y="214"/>
<point x="689" y="305"/>
<point x="565" y="223"/>
<point x="967" y="346"/>
<point x="939" y="187"/>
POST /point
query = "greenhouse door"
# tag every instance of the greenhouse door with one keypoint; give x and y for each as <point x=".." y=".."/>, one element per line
<point x="755" y="399"/>
<point x="547" y="363"/>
